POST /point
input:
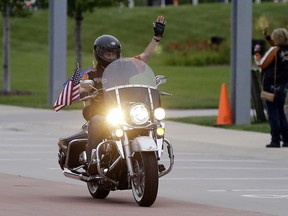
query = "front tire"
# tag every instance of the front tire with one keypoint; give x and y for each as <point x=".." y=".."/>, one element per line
<point x="145" y="182"/>
<point x="96" y="192"/>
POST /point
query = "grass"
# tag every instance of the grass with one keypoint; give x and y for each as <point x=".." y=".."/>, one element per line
<point x="192" y="86"/>
<point x="212" y="120"/>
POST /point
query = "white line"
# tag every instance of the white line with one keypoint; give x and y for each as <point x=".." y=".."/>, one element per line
<point x="228" y="161"/>
<point x="25" y="145"/>
<point x="225" y="179"/>
<point x="257" y="190"/>
<point x="249" y="190"/>
<point x="18" y="159"/>
<point x="266" y="196"/>
<point x="233" y="168"/>
<point x="217" y="190"/>
<point x="28" y="139"/>
<point x="27" y="152"/>
<point x="194" y="153"/>
<point x="31" y="159"/>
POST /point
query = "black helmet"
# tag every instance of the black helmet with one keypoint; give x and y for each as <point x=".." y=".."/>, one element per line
<point x="106" y="49"/>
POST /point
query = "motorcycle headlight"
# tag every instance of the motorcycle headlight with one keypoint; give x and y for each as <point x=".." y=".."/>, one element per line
<point x="139" y="114"/>
<point x="159" y="113"/>
<point x="115" y="117"/>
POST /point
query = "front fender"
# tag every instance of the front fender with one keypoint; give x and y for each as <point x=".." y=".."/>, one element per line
<point x="143" y="143"/>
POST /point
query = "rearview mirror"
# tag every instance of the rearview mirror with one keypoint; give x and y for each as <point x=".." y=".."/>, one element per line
<point x="160" y="79"/>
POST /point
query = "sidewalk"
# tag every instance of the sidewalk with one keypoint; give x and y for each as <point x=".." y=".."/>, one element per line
<point x="65" y="123"/>
<point x="19" y="120"/>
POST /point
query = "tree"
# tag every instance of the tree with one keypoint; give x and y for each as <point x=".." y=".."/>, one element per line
<point x="76" y="8"/>
<point x="9" y="8"/>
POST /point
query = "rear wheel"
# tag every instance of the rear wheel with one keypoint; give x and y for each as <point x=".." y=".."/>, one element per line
<point x="96" y="192"/>
<point x="145" y="182"/>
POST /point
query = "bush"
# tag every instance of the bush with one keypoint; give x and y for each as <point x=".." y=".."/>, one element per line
<point x="197" y="53"/>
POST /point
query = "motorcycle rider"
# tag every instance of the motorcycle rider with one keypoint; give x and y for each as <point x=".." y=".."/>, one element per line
<point x="107" y="49"/>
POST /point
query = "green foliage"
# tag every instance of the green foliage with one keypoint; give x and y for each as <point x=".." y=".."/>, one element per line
<point x="140" y="2"/>
<point x="16" y="8"/>
<point x="76" y="6"/>
<point x="42" y="4"/>
<point x="198" y="53"/>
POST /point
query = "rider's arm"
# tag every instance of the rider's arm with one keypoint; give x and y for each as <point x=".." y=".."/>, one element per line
<point x="159" y="27"/>
<point x="149" y="51"/>
<point x="267" y="59"/>
<point x="267" y="36"/>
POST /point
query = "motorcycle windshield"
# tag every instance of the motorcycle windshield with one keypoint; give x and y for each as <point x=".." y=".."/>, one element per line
<point x="127" y="72"/>
<point x="127" y="81"/>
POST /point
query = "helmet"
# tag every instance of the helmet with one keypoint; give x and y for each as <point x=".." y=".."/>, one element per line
<point x="106" y="49"/>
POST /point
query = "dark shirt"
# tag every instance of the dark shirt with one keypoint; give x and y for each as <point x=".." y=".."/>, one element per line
<point x="281" y="60"/>
<point x="96" y="104"/>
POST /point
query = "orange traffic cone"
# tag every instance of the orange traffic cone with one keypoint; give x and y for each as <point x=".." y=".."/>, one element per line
<point x="224" y="113"/>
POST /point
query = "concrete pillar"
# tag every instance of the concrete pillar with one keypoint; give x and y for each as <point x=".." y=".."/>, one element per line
<point x="241" y="39"/>
<point x="57" y="48"/>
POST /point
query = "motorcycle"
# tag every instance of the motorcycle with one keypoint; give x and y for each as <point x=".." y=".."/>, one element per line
<point x="130" y="156"/>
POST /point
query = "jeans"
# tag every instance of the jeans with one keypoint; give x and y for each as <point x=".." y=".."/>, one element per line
<point x="277" y="118"/>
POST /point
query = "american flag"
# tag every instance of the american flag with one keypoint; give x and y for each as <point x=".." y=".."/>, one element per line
<point x="70" y="92"/>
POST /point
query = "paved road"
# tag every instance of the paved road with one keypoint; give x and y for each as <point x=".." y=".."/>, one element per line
<point x="217" y="171"/>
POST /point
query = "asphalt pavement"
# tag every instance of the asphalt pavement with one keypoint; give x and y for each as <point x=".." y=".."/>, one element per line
<point x="206" y="157"/>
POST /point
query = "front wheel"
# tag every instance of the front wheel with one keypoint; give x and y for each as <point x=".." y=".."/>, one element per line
<point x="97" y="192"/>
<point x="145" y="182"/>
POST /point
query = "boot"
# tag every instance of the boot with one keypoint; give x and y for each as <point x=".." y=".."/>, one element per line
<point x="92" y="168"/>
<point x="91" y="160"/>
<point x="273" y="145"/>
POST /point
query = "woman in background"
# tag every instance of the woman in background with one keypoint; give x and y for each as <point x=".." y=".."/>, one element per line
<point x="275" y="58"/>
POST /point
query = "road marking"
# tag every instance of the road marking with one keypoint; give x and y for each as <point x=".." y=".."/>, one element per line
<point x="266" y="196"/>
<point x="234" y="168"/>
<point x="260" y="196"/>
<point x="194" y="153"/>
<point x="217" y="190"/>
<point x="229" y="161"/>
<point x="27" y="152"/>
<point x="224" y="179"/>
<point x="25" y="145"/>
<point x="249" y="190"/>
<point x="27" y="139"/>
<point x="25" y="159"/>
<point x="18" y="159"/>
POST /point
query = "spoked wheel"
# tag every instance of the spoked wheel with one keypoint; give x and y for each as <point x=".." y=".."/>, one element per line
<point x="145" y="182"/>
<point x="96" y="192"/>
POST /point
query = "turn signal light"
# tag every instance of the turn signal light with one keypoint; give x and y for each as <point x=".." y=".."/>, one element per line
<point x="160" y="131"/>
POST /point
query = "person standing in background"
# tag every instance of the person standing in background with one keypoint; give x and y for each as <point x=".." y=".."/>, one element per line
<point x="275" y="60"/>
